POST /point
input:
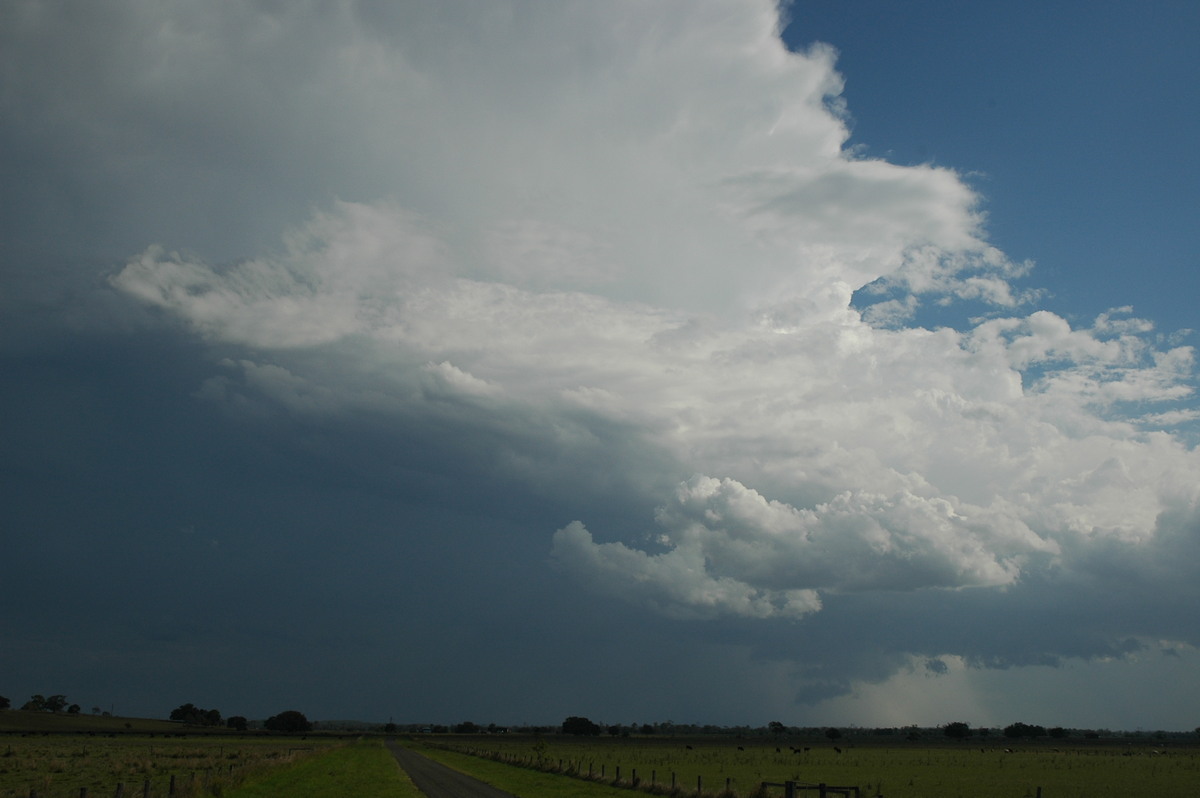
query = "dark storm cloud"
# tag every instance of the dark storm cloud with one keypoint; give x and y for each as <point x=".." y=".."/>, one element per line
<point x="344" y="340"/>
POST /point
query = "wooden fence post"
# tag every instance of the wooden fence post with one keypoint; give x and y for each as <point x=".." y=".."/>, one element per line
<point x="698" y="783"/>
<point x="120" y="793"/>
<point x="146" y="788"/>
<point x="171" y="789"/>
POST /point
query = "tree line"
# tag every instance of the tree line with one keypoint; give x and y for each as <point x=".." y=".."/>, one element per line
<point x="289" y="721"/>
<point x="295" y="721"/>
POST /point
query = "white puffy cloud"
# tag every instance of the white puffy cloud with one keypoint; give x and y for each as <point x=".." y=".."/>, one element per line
<point x="677" y="583"/>
<point x="643" y="216"/>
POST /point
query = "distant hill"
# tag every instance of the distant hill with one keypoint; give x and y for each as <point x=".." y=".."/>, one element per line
<point x="17" y="720"/>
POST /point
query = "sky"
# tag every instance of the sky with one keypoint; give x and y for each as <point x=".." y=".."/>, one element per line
<point x="698" y="361"/>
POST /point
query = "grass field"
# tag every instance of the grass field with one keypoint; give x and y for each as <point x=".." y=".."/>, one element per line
<point x="365" y="769"/>
<point x="58" y="765"/>
<point x="17" y="721"/>
<point x="919" y="770"/>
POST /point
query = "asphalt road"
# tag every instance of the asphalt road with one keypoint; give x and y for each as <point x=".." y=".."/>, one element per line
<point x="438" y="781"/>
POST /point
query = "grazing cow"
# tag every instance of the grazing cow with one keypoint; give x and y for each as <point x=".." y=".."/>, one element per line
<point x="689" y="748"/>
<point x="740" y="748"/>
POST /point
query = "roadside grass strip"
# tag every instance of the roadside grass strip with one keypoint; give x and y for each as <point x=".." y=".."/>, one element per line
<point x="364" y="769"/>
<point x="521" y="781"/>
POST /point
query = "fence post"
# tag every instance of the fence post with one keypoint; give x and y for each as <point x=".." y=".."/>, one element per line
<point x="789" y="789"/>
<point x="698" y="783"/>
<point x="120" y="793"/>
<point x="171" y="789"/>
<point x="146" y="788"/>
<point x="821" y="789"/>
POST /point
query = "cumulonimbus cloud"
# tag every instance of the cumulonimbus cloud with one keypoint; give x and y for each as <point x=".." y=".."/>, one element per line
<point x="658" y="227"/>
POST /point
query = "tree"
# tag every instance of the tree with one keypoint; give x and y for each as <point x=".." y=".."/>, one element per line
<point x="288" y="721"/>
<point x="237" y="722"/>
<point x="73" y="709"/>
<point x="579" y="726"/>
<point x="56" y="703"/>
<point x="833" y="734"/>
<point x="1024" y="730"/>
<point x="466" y="727"/>
<point x="190" y="713"/>
<point x="36" y="703"/>
<point x="957" y="730"/>
<point x="776" y="727"/>
<point x="4" y="703"/>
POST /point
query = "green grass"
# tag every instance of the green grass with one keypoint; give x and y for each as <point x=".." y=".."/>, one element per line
<point x="364" y="770"/>
<point x="896" y="771"/>
<point x="61" y="764"/>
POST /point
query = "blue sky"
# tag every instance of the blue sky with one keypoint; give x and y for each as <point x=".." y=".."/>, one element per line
<point x="513" y="361"/>
<point x="1074" y="120"/>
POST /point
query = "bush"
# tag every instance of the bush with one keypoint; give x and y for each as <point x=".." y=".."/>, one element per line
<point x="289" y="721"/>
<point x="1024" y="730"/>
<point x="580" y="726"/>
